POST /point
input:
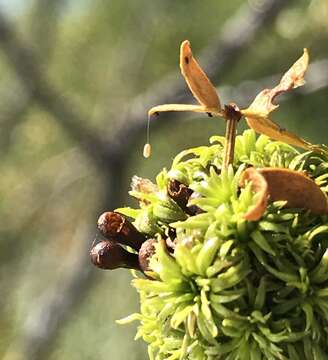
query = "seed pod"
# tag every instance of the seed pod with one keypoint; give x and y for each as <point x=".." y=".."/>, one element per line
<point x="146" y="251"/>
<point x="109" y="255"/>
<point x="116" y="227"/>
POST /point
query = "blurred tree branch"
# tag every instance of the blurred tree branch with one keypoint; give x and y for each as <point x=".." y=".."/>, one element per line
<point x="14" y="105"/>
<point x="29" y="70"/>
<point x="43" y="22"/>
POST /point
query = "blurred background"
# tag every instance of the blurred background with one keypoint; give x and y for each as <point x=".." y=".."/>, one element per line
<point x="76" y="80"/>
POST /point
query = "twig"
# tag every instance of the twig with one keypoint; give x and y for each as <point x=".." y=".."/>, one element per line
<point x="232" y="116"/>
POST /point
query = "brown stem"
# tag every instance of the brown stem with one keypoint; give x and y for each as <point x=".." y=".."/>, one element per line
<point x="232" y="116"/>
<point x="230" y="136"/>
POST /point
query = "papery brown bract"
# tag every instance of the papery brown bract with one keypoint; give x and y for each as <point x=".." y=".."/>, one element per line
<point x="279" y="184"/>
<point x="260" y="186"/>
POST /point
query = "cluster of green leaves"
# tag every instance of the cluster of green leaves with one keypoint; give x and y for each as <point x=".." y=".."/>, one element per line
<point x="234" y="289"/>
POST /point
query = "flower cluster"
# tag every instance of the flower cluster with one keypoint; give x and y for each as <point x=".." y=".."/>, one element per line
<point x="232" y="241"/>
<point x="219" y="286"/>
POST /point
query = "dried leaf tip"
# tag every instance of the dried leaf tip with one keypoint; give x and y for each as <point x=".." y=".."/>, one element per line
<point x="198" y="82"/>
<point x="294" y="77"/>
<point x="264" y="104"/>
<point x="200" y="86"/>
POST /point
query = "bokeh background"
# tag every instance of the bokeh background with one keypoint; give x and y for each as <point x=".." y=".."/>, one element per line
<point x="76" y="80"/>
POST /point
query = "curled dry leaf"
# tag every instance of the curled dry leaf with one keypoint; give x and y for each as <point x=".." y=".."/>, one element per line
<point x="296" y="188"/>
<point x="293" y="78"/>
<point x="259" y="186"/>
<point x="257" y="114"/>
<point x="283" y="184"/>
<point x="269" y="128"/>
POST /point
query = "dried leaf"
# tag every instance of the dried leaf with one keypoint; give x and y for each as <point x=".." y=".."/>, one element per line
<point x="283" y="184"/>
<point x="296" y="188"/>
<point x="199" y="84"/>
<point x="269" y="128"/>
<point x="260" y="186"/>
<point x="257" y="114"/>
<point x="293" y="78"/>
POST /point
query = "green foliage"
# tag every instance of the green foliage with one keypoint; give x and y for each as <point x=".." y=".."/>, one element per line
<point x="234" y="289"/>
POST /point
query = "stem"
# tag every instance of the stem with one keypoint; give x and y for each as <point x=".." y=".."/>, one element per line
<point x="232" y="116"/>
<point x="229" y="149"/>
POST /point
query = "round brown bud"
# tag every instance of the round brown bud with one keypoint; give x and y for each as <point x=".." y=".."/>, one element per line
<point x="109" y="255"/>
<point x="116" y="227"/>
